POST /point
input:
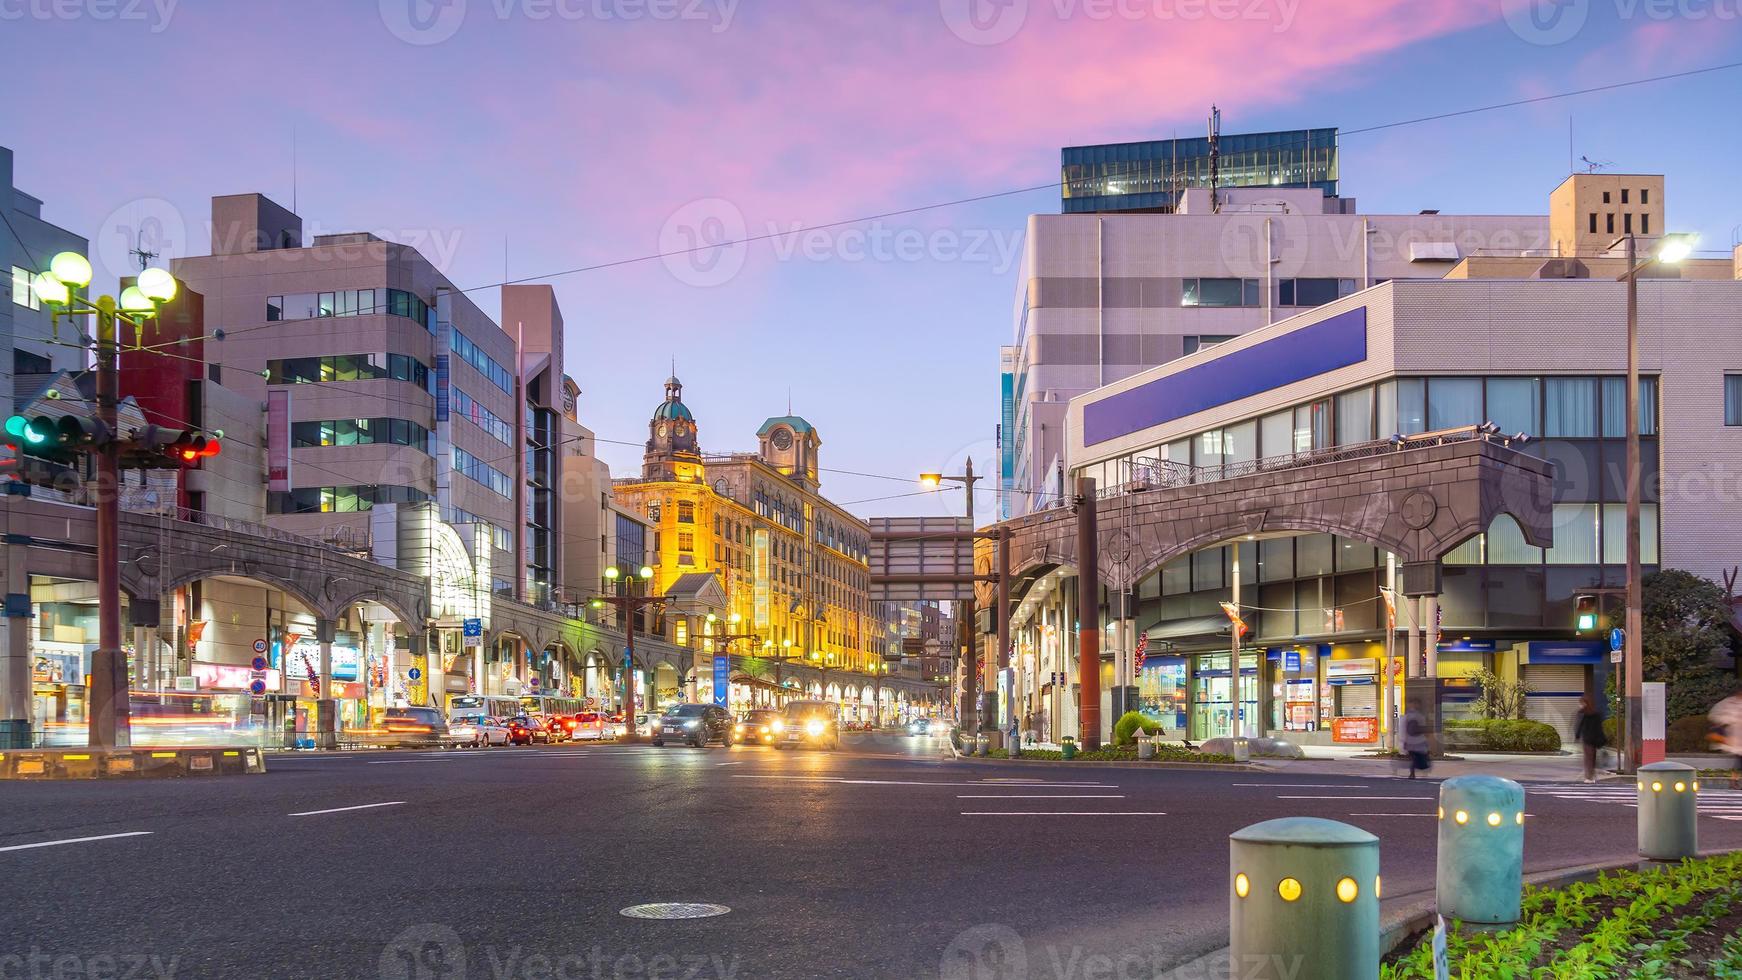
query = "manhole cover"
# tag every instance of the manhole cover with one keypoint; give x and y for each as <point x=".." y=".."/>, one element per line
<point x="674" y="910"/>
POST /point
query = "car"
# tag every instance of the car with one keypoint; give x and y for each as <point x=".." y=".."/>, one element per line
<point x="815" y="724"/>
<point x="921" y="727"/>
<point x="589" y="726"/>
<point x="476" y="730"/>
<point x="756" y="726"/>
<point x="525" y="730"/>
<point x="556" y="728"/>
<point x="697" y="724"/>
<point x="643" y="725"/>
<point x="415" y="726"/>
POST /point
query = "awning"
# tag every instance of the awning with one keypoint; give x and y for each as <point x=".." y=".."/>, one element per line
<point x="1185" y="629"/>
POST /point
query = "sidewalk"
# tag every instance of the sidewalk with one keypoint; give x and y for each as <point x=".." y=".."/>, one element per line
<point x="1339" y="760"/>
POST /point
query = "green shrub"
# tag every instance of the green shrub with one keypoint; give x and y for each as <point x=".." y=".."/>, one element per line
<point x="1504" y="735"/>
<point x="1688" y="734"/>
<point x="1612" y="730"/>
<point x="1125" y="729"/>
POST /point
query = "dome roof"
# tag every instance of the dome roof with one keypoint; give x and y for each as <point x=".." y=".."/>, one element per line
<point x="673" y="410"/>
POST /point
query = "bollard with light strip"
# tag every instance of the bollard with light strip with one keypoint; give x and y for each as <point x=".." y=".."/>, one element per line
<point x="1303" y="901"/>
<point x="1668" y="811"/>
<point x="1480" y="874"/>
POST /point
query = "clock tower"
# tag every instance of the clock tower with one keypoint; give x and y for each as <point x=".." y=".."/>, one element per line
<point x="673" y="447"/>
<point x="790" y="444"/>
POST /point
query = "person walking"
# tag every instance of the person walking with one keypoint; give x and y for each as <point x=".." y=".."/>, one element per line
<point x="1589" y="732"/>
<point x="1726" y="721"/>
<point x="1415" y="738"/>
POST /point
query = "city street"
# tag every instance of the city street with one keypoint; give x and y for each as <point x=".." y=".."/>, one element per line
<point x="885" y="859"/>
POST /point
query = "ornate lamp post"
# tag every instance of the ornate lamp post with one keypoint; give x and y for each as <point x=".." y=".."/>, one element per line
<point x="630" y="605"/>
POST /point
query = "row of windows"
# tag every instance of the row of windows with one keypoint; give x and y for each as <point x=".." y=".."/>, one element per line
<point x="483" y="418"/>
<point x="1626" y="223"/>
<point x="361" y="432"/>
<point x="1248" y="292"/>
<point x="483" y="473"/>
<point x="341" y="500"/>
<point x="1547" y="408"/>
<point x="348" y="302"/>
<point x="349" y="367"/>
<point x="486" y="365"/>
<point x="500" y="537"/>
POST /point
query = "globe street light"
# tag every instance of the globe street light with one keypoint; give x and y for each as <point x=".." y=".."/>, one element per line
<point x="630" y="605"/>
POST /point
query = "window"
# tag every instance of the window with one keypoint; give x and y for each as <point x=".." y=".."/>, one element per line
<point x="1512" y="405"/>
<point x="483" y="473"/>
<point x="1593" y="222"/>
<point x="1733" y="399"/>
<point x="1609" y="222"/>
<point x="1575" y="535"/>
<point x="274" y="308"/>
<point x="468" y="408"/>
<point x="1623" y="195"/>
<point x="1219" y="292"/>
<point x="341" y="500"/>
<point x="1506" y="544"/>
<point x="1626" y="219"/>
<point x="1615" y="407"/>
<point x="360" y="432"/>
<point x="1453" y="402"/>
<point x="1605" y="197"/>
<point x="686" y="541"/>
<point x="1275" y="434"/>
<point x="348" y="367"/>
<point x="1312" y="426"/>
<point x="1313" y="292"/>
<point x="1615" y="534"/>
<point x="23" y="293"/>
<point x="1355" y="417"/>
<point x="1645" y="195"/>
<point x="1570" y="410"/>
<point x="686" y="512"/>
<point x="1645" y="223"/>
<point x="1198" y="343"/>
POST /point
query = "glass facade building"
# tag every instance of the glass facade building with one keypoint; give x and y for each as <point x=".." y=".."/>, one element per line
<point x="1148" y="175"/>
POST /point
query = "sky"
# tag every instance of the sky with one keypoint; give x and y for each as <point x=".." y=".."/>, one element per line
<point x="511" y="139"/>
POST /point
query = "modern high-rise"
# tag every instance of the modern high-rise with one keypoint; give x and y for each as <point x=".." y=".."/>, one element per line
<point x="1102" y="296"/>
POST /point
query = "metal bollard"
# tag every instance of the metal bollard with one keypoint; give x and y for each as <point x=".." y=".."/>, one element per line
<point x="1480" y="876"/>
<point x="1146" y="746"/>
<point x="1668" y="811"/>
<point x="1303" y="901"/>
<point x="983" y="745"/>
<point x="1242" y="750"/>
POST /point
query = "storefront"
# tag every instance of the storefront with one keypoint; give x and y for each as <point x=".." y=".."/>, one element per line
<point x="1162" y="693"/>
<point x="57" y="690"/>
<point x="1557" y="674"/>
<point x="1294" y="686"/>
<point x="1221" y="705"/>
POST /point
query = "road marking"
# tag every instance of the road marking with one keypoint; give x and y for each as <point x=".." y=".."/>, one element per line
<point x="75" y="840"/>
<point x="410" y="762"/>
<point x="1391" y="814"/>
<point x="1305" y="785"/>
<point x="1062" y="813"/>
<point x="1036" y="796"/>
<point x="910" y="782"/>
<point x="738" y="763"/>
<point x="347" y="809"/>
<point x="1010" y="779"/>
<point x="1425" y="798"/>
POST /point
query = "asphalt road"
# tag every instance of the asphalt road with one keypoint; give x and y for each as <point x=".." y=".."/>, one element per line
<point x="883" y="860"/>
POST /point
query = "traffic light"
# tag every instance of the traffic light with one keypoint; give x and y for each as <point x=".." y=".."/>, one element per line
<point x="1586" y="616"/>
<point x="193" y="445"/>
<point x="59" y="439"/>
<point x="156" y="447"/>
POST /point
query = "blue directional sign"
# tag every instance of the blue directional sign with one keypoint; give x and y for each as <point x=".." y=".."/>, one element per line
<point x="473" y="627"/>
<point x="722" y="679"/>
<point x="1617" y="639"/>
<point x="414" y="673"/>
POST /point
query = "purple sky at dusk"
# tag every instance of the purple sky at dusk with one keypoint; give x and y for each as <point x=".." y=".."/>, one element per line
<point x="554" y="134"/>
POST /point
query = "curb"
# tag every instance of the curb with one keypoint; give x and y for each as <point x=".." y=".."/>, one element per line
<point x="1092" y="763"/>
<point x="1417" y="913"/>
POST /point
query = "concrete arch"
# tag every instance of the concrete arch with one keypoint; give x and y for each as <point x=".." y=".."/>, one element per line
<point x="256" y="574"/>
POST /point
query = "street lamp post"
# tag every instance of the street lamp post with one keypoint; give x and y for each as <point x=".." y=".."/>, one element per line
<point x="1671" y="249"/>
<point x="68" y="272"/>
<point x="630" y="605"/>
<point x="969" y="716"/>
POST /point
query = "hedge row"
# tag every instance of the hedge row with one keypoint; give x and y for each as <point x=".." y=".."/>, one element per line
<point x="1504" y="735"/>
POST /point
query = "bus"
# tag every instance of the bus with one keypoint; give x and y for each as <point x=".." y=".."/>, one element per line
<point x="483" y="706"/>
<point x="546" y="706"/>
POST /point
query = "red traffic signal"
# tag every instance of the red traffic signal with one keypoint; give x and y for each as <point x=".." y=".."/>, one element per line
<point x="192" y="446"/>
<point x="156" y="447"/>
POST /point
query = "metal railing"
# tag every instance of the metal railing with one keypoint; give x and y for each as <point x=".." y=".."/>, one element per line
<point x="1145" y="473"/>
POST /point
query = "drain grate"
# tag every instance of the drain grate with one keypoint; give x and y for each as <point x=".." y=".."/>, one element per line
<point x="674" y="910"/>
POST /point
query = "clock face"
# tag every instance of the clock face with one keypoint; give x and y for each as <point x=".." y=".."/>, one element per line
<point x="661" y="429"/>
<point x="783" y="439"/>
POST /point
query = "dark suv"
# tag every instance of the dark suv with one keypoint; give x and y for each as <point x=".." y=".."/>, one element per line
<point x="697" y="724"/>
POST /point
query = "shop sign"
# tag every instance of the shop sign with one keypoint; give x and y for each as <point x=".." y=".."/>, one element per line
<point x="1355" y="730"/>
<point x="229" y="677"/>
<point x="1350" y="671"/>
<point x="56" y="668"/>
<point x="473" y="632"/>
<point x="722" y="679"/>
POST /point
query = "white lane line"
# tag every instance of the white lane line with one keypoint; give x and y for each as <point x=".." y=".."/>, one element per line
<point x="411" y="762"/>
<point x="1062" y="813"/>
<point x="75" y="840"/>
<point x="1304" y="785"/>
<point x="347" y="809"/>
<point x="1011" y="779"/>
<point x="738" y="763"/>
<point x="1422" y="798"/>
<point x="1037" y="796"/>
<point x="1391" y="814"/>
<point x="910" y="782"/>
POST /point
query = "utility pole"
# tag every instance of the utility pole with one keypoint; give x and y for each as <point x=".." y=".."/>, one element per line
<point x="110" y="716"/>
<point x="1088" y="617"/>
<point x="630" y="605"/>
<point x="969" y="715"/>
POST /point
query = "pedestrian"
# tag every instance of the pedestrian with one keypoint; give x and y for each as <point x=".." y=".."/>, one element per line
<point x="1726" y="721"/>
<point x="1415" y="738"/>
<point x="1589" y="731"/>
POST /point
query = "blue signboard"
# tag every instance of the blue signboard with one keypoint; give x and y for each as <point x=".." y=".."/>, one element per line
<point x="1314" y="349"/>
<point x="722" y="679"/>
<point x="442" y="391"/>
<point x="472" y="627"/>
<point x="1566" y="652"/>
<point x="1617" y="639"/>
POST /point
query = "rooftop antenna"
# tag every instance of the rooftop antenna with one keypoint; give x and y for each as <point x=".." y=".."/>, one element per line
<point x="293" y="169"/>
<point x="1215" y="156"/>
<point x="789" y="400"/>
<point x="1592" y="166"/>
<point x="1570" y="167"/>
<point x="140" y="252"/>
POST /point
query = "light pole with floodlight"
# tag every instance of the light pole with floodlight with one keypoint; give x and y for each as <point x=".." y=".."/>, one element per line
<point x="630" y="605"/>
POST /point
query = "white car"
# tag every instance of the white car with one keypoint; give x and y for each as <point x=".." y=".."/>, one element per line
<point x="478" y="731"/>
<point x="592" y="726"/>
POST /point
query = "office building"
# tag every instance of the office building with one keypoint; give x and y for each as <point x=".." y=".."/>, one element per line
<point x="1151" y="174"/>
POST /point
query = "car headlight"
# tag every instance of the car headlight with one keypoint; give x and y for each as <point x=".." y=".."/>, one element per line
<point x="691" y="724"/>
<point x="737" y="729"/>
<point x="779" y="726"/>
<point x="814" y="728"/>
